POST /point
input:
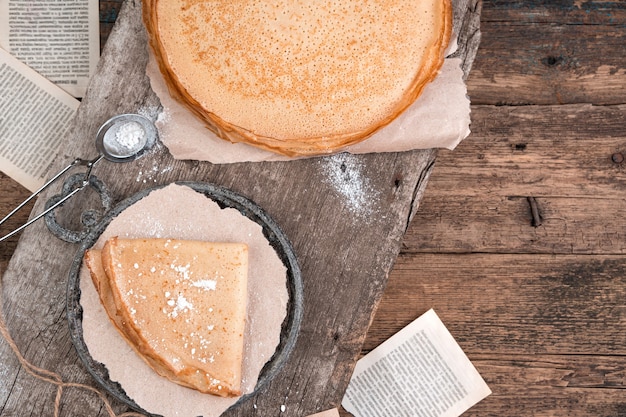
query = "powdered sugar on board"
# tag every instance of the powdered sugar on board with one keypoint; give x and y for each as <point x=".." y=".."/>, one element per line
<point x="344" y="172"/>
<point x="152" y="174"/>
<point x="149" y="170"/>
<point x="179" y="212"/>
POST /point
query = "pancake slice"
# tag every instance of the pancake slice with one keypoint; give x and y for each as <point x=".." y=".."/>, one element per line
<point x="180" y="304"/>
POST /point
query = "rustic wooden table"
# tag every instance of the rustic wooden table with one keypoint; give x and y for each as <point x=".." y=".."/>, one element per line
<point x="535" y="297"/>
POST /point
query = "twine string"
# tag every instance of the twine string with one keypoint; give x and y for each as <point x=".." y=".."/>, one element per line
<point x="54" y="378"/>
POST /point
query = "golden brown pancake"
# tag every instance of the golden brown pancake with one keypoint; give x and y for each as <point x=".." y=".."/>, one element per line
<point x="180" y="304"/>
<point x="298" y="77"/>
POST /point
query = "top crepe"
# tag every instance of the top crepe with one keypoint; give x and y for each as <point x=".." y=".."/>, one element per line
<point x="298" y="77"/>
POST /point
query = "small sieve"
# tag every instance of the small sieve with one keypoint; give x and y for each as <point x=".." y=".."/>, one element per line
<point x="122" y="138"/>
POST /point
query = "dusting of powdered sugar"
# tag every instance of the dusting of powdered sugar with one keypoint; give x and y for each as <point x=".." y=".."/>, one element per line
<point x="180" y="305"/>
<point x="160" y="115"/>
<point x="205" y="284"/>
<point x="152" y="174"/>
<point x="149" y="170"/>
<point x="344" y="172"/>
<point x="152" y="112"/>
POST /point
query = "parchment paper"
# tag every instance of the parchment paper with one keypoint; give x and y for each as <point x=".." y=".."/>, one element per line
<point x="180" y="212"/>
<point x="328" y="413"/>
<point x="440" y="118"/>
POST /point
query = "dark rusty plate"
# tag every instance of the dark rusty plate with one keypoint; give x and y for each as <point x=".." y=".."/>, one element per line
<point x="226" y="199"/>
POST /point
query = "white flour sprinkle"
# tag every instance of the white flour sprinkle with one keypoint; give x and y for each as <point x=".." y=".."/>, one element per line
<point x="149" y="111"/>
<point x="152" y="174"/>
<point x="164" y="116"/>
<point x="344" y="173"/>
<point x="181" y="305"/>
<point x="205" y="284"/>
<point x="182" y="270"/>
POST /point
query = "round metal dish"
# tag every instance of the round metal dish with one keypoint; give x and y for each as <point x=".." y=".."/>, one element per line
<point x="224" y="198"/>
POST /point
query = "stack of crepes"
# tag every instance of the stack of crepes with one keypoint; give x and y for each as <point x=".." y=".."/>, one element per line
<point x="180" y="304"/>
<point x="298" y="78"/>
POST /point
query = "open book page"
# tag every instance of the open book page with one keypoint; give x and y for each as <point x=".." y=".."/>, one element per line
<point x="35" y="116"/>
<point x="58" y="39"/>
<point x="420" y="371"/>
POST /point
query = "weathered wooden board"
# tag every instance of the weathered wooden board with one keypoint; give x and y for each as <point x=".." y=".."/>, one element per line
<point x="336" y="236"/>
<point x="12" y="194"/>
<point x="551" y="52"/>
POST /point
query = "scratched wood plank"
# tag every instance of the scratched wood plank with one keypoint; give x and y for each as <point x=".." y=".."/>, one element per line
<point x="511" y="303"/>
<point x="554" y="371"/>
<point x="554" y="385"/>
<point x="472" y="252"/>
<point x="519" y="399"/>
<point x="344" y="261"/>
<point x="570" y="159"/>
<point x="547" y="332"/>
<point x="539" y="150"/>
<point x="504" y="224"/>
<point x="551" y="52"/>
<point x="108" y="12"/>
<point x="12" y="194"/>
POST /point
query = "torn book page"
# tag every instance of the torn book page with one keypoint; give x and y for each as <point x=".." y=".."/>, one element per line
<point x="420" y="371"/>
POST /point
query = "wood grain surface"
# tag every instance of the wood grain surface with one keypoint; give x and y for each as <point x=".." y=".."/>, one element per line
<point x="539" y="309"/>
<point x="537" y="306"/>
<point x="346" y="248"/>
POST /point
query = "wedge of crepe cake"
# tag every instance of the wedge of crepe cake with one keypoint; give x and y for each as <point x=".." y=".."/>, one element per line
<point x="180" y="304"/>
<point x="298" y="77"/>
